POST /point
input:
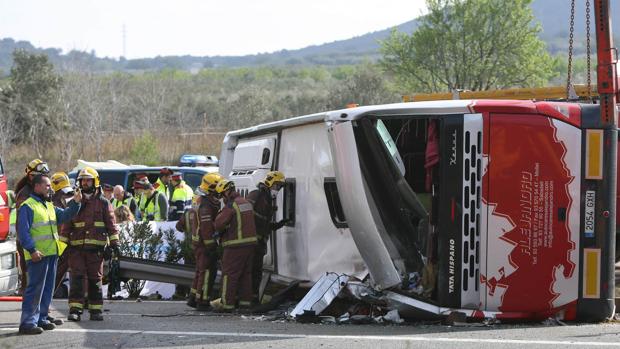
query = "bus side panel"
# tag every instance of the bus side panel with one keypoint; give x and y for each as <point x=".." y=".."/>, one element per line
<point x="533" y="203"/>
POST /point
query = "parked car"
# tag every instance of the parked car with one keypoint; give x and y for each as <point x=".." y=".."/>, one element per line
<point x="194" y="160"/>
<point x="114" y="173"/>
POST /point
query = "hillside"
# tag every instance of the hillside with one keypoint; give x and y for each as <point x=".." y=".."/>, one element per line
<point x="553" y="16"/>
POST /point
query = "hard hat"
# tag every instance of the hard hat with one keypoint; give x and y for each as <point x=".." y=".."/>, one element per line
<point x="37" y="166"/>
<point x="209" y="182"/>
<point x="224" y="185"/>
<point x="89" y="172"/>
<point x="273" y="177"/>
<point x="60" y="182"/>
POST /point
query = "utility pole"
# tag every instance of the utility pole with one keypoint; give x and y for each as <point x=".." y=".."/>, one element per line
<point x="124" y="41"/>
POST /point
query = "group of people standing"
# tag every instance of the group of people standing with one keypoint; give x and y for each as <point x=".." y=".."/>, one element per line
<point x="55" y="220"/>
<point x="60" y="228"/>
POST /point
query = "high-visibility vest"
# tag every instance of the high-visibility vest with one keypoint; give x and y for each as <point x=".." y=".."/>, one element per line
<point x="162" y="188"/>
<point x="152" y="208"/>
<point x="119" y="203"/>
<point x="182" y="192"/>
<point x="43" y="230"/>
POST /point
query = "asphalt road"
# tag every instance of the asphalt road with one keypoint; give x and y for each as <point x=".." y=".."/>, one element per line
<point x="153" y="324"/>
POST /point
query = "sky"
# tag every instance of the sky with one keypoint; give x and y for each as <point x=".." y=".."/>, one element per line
<point x="194" y="27"/>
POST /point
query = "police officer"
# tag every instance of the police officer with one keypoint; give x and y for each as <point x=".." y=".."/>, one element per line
<point x="263" y="201"/>
<point x="236" y="220"/>
<point x="87" y="234"/>
<point x="181" y="196"/>
<point x="199" y="221"/>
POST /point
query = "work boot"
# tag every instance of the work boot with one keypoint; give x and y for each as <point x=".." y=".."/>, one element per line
<point x="203" y="307"/>
<point x="32" y="330"/>
<point x="55" y="321"/>
<point x="218" y="307"/>
<point x="48" y="326"/>
<point x="96" y="316"/>
<point x="74" y="315"/>
<point x="191" y="302"/>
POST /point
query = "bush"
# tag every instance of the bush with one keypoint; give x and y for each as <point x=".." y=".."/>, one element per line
<point x="138" y="241"/>
<point x="144" y="150"/>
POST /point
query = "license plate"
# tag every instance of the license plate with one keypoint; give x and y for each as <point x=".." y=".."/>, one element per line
<point x="589" y="213"/>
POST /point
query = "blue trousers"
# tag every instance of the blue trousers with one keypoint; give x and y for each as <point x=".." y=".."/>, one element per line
<point x="39" y="292"/>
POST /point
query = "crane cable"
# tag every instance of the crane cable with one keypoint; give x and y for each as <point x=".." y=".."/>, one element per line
<point x="588" y="50"/>
<point x="570" y="49"/>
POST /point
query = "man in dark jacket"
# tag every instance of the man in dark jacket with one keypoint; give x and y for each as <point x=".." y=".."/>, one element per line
<point x="263" y="201"/>
<point x="199" y="221"/>
<point x="87" y="235"/>
<point x="236" y="221"/>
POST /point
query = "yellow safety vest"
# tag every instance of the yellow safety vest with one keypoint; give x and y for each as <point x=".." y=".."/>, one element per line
<point x="43" y="230"/>
<point x="152" y="208"/>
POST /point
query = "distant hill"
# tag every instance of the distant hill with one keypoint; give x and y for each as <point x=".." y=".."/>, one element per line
<point x="552" y="14"/>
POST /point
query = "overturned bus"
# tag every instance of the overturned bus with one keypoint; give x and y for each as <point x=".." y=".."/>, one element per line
<point x="502" y="208"/>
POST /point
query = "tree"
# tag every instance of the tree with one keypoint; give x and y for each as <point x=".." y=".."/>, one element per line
<point x="35" y="86"/>
<point x="469" y="44"/>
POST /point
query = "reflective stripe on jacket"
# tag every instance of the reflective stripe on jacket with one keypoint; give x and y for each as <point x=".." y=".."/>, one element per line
<point x="238" y="220"/>
<point x="43" y="230"/>
<point x="94" y="226"/>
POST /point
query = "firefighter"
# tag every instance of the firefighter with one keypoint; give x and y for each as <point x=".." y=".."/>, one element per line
<point x="63" y="194"/>
<point x="153" y="204"/>
<point x="23" y="190"/>
<point x="163" y="182"/>
<point x="199" y="221"/>
<point x="87" y="235"/>
<point x="181" y="196"/>
<point x="123" y="197"/>
<point x="236" y="221"/>
<point x="263" y="202"/>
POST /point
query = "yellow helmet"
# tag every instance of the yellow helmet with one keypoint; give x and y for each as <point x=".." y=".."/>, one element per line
<point x="273" y="177"/>
<point x="37" y="166"/>
<point x="89" y="172"/>
<point x="60" y="181"/>
<point x="224" y="185"/>
<point x="209" y="182"/>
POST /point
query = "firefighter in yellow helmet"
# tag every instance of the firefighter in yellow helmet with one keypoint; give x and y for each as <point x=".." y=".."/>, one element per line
<point x="23" y="189"/>
<point x="236" y="222"/>
<point x="63" y="194"/>
<point x="263" y="200"/>
<point x="87" y="234"/>
<point x="198" y="223"/>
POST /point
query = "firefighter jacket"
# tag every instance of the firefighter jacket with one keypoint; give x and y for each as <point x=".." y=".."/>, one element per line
<point x="264" y="209"/>
<point x="180" y="201"/>
<point x="200" y="224"/>
<point x="237" y="219"/>
<point x="93" y="227"/>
